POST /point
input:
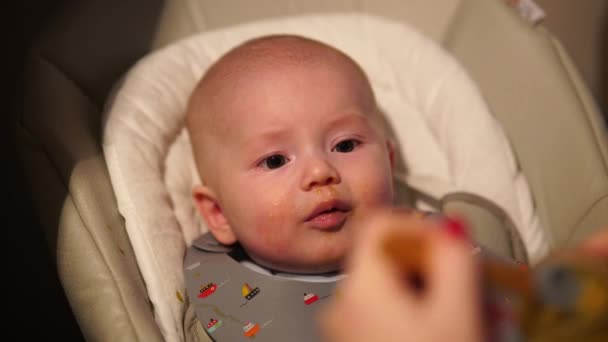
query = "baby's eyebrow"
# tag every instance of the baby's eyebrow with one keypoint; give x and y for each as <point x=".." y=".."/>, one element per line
<point x="271" y="134"/>
<point x="349" y="119"/>
<point x="264" y="137"/>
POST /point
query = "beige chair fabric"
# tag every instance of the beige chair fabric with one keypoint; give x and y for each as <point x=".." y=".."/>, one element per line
<point x="78" y="56"/>
<point x="522" y="71"/>
<point x="553" y="124"/>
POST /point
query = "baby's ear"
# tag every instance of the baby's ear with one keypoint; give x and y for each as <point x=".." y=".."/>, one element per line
<point x="207" y="205"/>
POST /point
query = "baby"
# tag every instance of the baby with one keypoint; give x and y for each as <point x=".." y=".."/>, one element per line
<point x="294" y="159"/>
<point x="290" y="147"/>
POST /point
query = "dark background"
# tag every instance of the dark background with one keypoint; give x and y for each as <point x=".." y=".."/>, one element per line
<point x="37" y="306"/>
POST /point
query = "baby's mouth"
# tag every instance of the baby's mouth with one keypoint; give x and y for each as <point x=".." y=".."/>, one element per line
<point x="329" y="215"/>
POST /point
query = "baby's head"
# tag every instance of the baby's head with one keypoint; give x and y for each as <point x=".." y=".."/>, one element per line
<point x="289" y="145"/>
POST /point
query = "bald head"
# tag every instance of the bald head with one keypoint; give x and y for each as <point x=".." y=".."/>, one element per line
<point x="278" y="52"/>
<point x="242" y="71"/>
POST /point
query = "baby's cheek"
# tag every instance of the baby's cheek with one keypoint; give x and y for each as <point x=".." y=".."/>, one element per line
<point x="272" y="227"/>
<point x="267" y="236"/>
<point x="370" y="180"/>
<point x="374" y="191"/>
<point x="269" y="245"/>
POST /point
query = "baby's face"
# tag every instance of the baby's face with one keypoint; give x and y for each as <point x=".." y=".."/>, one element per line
<point x="301" y="159"/>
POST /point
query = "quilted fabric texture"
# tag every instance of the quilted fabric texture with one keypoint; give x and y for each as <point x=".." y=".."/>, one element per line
<point x="446" y="135"/>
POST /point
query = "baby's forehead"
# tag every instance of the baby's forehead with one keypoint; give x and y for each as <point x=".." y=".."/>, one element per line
<point x="281" y="49"/>
<point x="259" y="63"/>
<point x="276" y="53"/>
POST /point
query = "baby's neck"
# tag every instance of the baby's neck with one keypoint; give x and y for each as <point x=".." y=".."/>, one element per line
<point x="312" y="277"/>
<point x="241" y="256"/>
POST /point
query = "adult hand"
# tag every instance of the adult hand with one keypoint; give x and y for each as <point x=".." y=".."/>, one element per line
<point x="378" y="302"/>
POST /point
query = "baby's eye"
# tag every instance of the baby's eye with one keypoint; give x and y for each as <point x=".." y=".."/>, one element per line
<point x="274" y="162"/>
<point x="346" y="146"/>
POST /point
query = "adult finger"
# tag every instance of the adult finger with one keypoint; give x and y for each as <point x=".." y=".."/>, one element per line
<point x="454" y="285"/>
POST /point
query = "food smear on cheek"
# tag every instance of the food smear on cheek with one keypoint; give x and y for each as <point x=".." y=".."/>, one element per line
<point x="276" y="209"/>
<point x="274" y="230"/>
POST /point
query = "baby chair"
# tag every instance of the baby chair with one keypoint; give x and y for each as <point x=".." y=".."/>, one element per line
<point x="524" y="75"/>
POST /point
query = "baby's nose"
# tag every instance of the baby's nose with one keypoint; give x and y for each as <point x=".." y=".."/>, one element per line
<point x="319" y="173"/>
